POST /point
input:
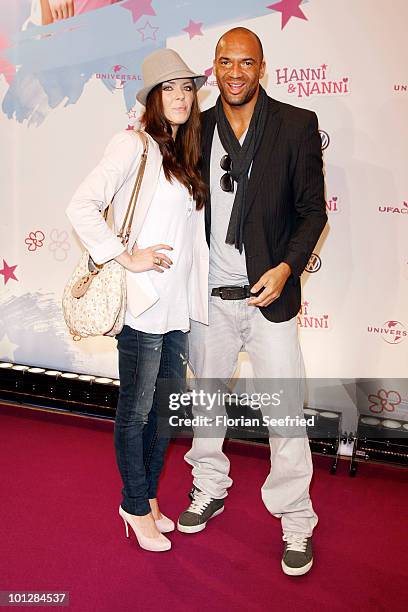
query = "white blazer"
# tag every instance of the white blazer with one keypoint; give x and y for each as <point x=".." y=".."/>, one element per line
<point x="113" y="180"/>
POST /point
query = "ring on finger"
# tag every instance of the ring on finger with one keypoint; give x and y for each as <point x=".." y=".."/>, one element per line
<point x="157" y="261"/>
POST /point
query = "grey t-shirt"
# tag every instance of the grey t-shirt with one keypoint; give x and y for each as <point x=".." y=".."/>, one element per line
<point x="227" y="265"/>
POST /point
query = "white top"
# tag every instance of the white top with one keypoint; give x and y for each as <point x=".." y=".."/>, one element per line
<point x="168" y="221"/>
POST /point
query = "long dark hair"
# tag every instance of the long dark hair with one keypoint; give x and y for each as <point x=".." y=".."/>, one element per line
<point x="182" y="155"/>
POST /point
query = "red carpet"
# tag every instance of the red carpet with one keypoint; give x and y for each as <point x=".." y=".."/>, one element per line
<point x="61" y="531"/>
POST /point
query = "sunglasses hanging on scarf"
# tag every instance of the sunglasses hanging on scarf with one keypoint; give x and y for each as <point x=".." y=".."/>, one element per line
<point x="226" y="181"/>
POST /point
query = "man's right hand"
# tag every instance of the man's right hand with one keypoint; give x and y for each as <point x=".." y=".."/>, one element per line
<point x="61" y="9"/>
<point x="141" y="260"/>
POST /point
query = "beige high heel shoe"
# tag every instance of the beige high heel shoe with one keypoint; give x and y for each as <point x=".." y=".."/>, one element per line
<point x="165" y="525"/>
<point x="159" y="544"/>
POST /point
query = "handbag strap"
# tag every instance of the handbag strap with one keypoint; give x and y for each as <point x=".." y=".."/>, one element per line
<point x="124" y="231"/>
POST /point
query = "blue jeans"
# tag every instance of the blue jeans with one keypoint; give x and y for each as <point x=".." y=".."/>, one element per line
<point x="143" y="359"/>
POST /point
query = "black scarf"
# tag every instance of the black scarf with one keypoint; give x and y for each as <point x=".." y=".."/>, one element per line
<point x="241" y="158"/>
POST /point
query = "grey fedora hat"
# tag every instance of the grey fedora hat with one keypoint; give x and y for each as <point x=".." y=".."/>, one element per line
<point x="165" y="65"/>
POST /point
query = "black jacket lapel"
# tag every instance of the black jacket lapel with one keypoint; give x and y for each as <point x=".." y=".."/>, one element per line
<point x="263" y="154"/>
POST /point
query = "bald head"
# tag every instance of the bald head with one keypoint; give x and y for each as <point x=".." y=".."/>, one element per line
<point x="237" y="35"/>
<point x="238" y="66"/>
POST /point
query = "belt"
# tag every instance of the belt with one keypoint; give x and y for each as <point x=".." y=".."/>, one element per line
<point x="232" y="293"/>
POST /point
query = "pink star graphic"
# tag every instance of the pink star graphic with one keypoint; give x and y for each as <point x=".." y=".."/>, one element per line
<point x="193" y="29"/>
<point x="148" y="32"/>
<point x="288" y="8"/>
<point x="138" y="8"/>
<point x="8" y="272"/>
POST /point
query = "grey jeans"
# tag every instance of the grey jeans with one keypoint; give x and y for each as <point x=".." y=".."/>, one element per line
<point x="274" y="352"/>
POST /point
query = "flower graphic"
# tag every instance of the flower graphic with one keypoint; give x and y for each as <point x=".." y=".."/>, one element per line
<point x="384" y="400"/>
<point x="59" y="245"/>
<point x="35" y="240"/>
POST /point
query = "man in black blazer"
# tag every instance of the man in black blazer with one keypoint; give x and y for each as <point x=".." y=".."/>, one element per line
<point x="265" y="212"/>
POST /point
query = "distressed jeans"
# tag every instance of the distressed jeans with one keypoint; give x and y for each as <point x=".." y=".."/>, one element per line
<point x="144" y="358"/>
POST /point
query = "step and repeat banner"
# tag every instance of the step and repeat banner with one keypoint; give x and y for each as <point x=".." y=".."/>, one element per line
<point x="68" y="84"/>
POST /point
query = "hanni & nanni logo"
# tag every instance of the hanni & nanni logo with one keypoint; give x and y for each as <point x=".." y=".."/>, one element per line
<point x="333" y="204"/>
<point x="307" y="319"/>
<point x="311" y="81"/>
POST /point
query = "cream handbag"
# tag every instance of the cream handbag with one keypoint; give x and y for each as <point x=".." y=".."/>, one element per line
<point x="94" y="299"/>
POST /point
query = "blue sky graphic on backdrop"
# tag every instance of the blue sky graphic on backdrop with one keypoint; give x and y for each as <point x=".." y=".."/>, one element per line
<point x="46" y="66"/>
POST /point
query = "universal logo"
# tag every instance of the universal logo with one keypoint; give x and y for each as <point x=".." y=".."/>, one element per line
<point x="307" y="82"/>
<point x="399" y="210"/>
<point x="392" y="332"/>
<point x="118" y="77"/>
<point x="332" y="205"/>
<point x="314" y="264"/>
<point x="325" y="138"/>
<point x="306" y="319"/>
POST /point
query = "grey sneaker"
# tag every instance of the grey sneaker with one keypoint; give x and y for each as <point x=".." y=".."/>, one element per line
<point x="202" y="509"/>
<point x="298" y="555"/>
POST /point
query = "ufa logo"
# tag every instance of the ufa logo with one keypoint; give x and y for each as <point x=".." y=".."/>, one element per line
<point x="392" y="332"/>
<point x="307" y="82"/>
<point x="325" y="138"/>
<point x="399" y="210"/>
<point x="314" y="264"/>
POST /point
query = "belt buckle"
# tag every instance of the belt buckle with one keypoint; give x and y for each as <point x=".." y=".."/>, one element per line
<point x="226" y="293"/>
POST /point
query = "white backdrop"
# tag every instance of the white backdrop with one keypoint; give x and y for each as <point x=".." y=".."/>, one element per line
<point x="345" y="60"/>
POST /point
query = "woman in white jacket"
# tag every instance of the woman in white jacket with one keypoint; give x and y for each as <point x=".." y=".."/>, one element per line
<point x="166" y="271"/>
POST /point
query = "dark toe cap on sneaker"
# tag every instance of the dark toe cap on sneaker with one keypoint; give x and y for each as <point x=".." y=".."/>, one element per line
<point x="295" y="559"/>
<point x="189" y="519"/>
